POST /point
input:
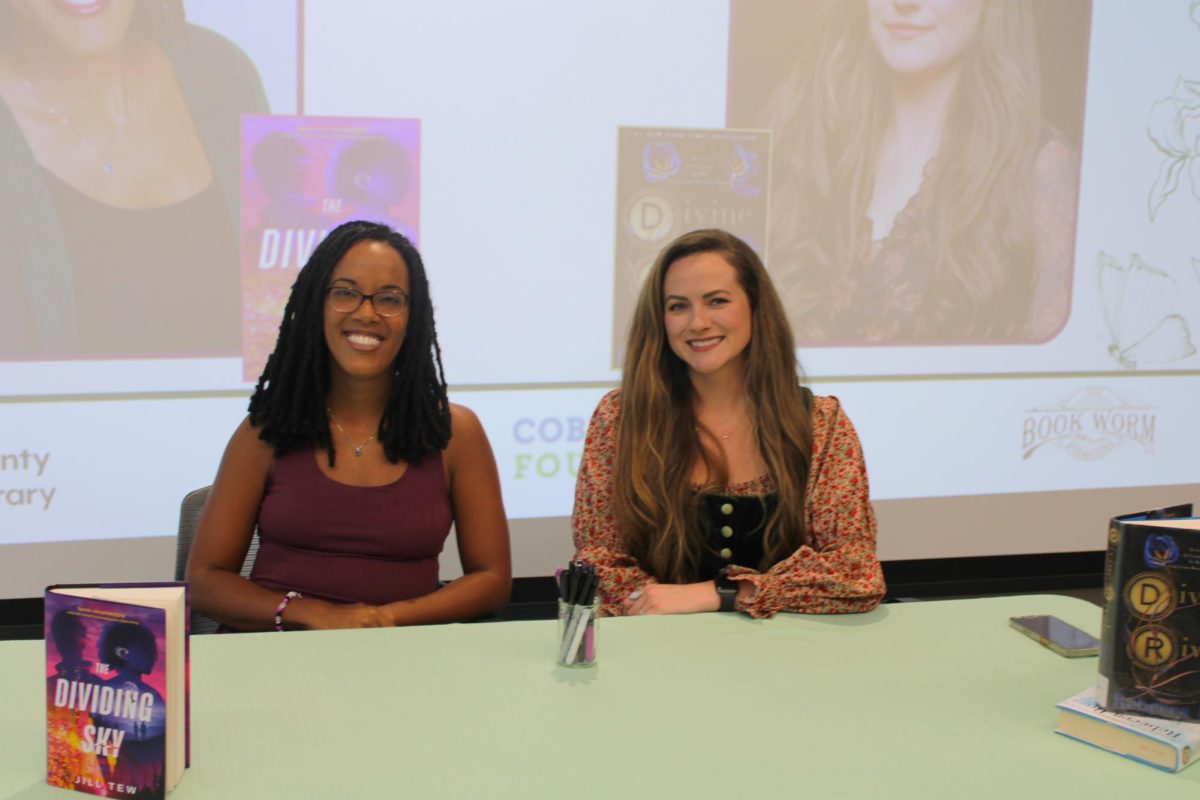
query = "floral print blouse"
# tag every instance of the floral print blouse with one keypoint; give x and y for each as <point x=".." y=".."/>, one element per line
<point x="837" y="572"/>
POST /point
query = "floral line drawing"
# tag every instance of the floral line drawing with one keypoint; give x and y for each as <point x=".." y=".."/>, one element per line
<point x="1141" y="312"/>
<point x="1174" y="128"/>
<point x="1195" y="12"/>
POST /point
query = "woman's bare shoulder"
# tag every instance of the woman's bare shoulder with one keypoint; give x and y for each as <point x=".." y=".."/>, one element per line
<point x="461" y="415"/>
<point x="247" y="449"/>
<point x="466" y="431"/>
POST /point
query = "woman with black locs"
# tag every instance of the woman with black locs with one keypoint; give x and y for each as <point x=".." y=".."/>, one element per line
<point x="353" y="463"/>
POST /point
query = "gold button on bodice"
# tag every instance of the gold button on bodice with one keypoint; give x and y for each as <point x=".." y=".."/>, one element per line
<point x="726" y="553"/>
<point x="727" y="509"/>
<point x="727" y="531"/>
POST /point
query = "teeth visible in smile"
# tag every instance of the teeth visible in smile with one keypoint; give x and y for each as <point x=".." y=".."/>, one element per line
<point x="704" y="342"/>
<point x="363" y="339"/>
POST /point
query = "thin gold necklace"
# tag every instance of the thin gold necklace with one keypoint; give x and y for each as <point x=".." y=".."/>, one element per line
<point x="357" y="450"/>
<point x="723" y="436"/>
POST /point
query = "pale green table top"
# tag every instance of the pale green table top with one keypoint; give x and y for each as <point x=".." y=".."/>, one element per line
<point x="930" y="699"/>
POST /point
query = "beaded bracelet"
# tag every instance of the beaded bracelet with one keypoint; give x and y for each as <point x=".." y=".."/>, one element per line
<point x="287" y="598"/>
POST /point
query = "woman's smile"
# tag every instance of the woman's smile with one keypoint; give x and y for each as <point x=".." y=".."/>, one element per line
<point x="363" y="343"/>
<point x="706" y="313"/>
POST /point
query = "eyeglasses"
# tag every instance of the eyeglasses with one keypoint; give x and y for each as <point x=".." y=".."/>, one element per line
<point x="389" y="303"/>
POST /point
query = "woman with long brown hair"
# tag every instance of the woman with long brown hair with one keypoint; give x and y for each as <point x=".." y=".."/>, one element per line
<point x="918" y="195"/>
<point x="712" y="480"/>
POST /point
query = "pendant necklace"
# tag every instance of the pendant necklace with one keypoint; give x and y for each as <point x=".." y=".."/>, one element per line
<point x="722" y="436"/>
<point x="357" y="450"/>
<point x="100" y="152"/>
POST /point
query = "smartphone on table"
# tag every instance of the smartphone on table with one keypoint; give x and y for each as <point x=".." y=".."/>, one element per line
<point x="1061" y="637"/>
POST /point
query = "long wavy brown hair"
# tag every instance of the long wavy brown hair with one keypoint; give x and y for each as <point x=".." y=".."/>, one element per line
<point x="828" y="119"/>
<point x="658" y="438"/>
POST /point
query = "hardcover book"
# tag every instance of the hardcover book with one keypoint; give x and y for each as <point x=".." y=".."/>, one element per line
<point x="302" y="177"/>
<point x="1150" y="633"/>
<point x="1166" y="744"/>
<point x="117" y="688"/>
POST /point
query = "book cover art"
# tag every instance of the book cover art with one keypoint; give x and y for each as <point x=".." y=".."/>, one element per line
<point x="1166" y="744"/>
<point x="106" y="716"/>
<point x="302" y="177"/>
<point x="674" y="180"/>
<point x="1150" y="634"/>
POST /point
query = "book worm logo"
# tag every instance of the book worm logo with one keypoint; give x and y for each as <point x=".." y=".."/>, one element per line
<point x="1089" y="424"/>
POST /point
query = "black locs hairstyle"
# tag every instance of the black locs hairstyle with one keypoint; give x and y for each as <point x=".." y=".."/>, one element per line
<point x="289" y="403"/>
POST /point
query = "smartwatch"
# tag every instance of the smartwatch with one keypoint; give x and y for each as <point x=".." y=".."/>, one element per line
<point x="726" y="591"/>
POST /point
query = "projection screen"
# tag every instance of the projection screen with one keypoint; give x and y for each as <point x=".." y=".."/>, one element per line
<point x="1015" y="340"/>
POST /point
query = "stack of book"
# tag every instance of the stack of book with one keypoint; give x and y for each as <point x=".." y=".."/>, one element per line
<point x="1146" y="702"/>
<point x="1163" y="743"/>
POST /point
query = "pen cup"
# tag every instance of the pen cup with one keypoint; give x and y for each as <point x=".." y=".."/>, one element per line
<point x="577" y="634"/>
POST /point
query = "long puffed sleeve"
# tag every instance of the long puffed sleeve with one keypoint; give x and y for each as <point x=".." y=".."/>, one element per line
<point x="593" y="522"/>
<point x="838" y="571"/>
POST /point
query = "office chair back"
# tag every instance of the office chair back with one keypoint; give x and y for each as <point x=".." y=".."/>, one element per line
<point x="189" y="515"/>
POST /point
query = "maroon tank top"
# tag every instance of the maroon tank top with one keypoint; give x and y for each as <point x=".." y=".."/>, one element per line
<point x="352" y="544"/>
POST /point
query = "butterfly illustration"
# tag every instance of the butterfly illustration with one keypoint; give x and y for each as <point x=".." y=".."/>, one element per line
<point x="1142" y="313"/>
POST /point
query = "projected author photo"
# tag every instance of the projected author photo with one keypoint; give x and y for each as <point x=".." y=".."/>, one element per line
<point x="924" y="165"/>
<point x="118" y="207"/>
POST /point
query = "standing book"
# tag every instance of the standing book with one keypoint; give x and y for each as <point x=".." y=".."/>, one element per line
<point x="1150" y="634"/>
<point x="1166" y="744"/>
<point x="117" y="688"/>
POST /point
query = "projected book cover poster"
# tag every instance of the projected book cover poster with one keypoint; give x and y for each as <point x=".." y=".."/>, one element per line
<point x="302" y="177"/>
